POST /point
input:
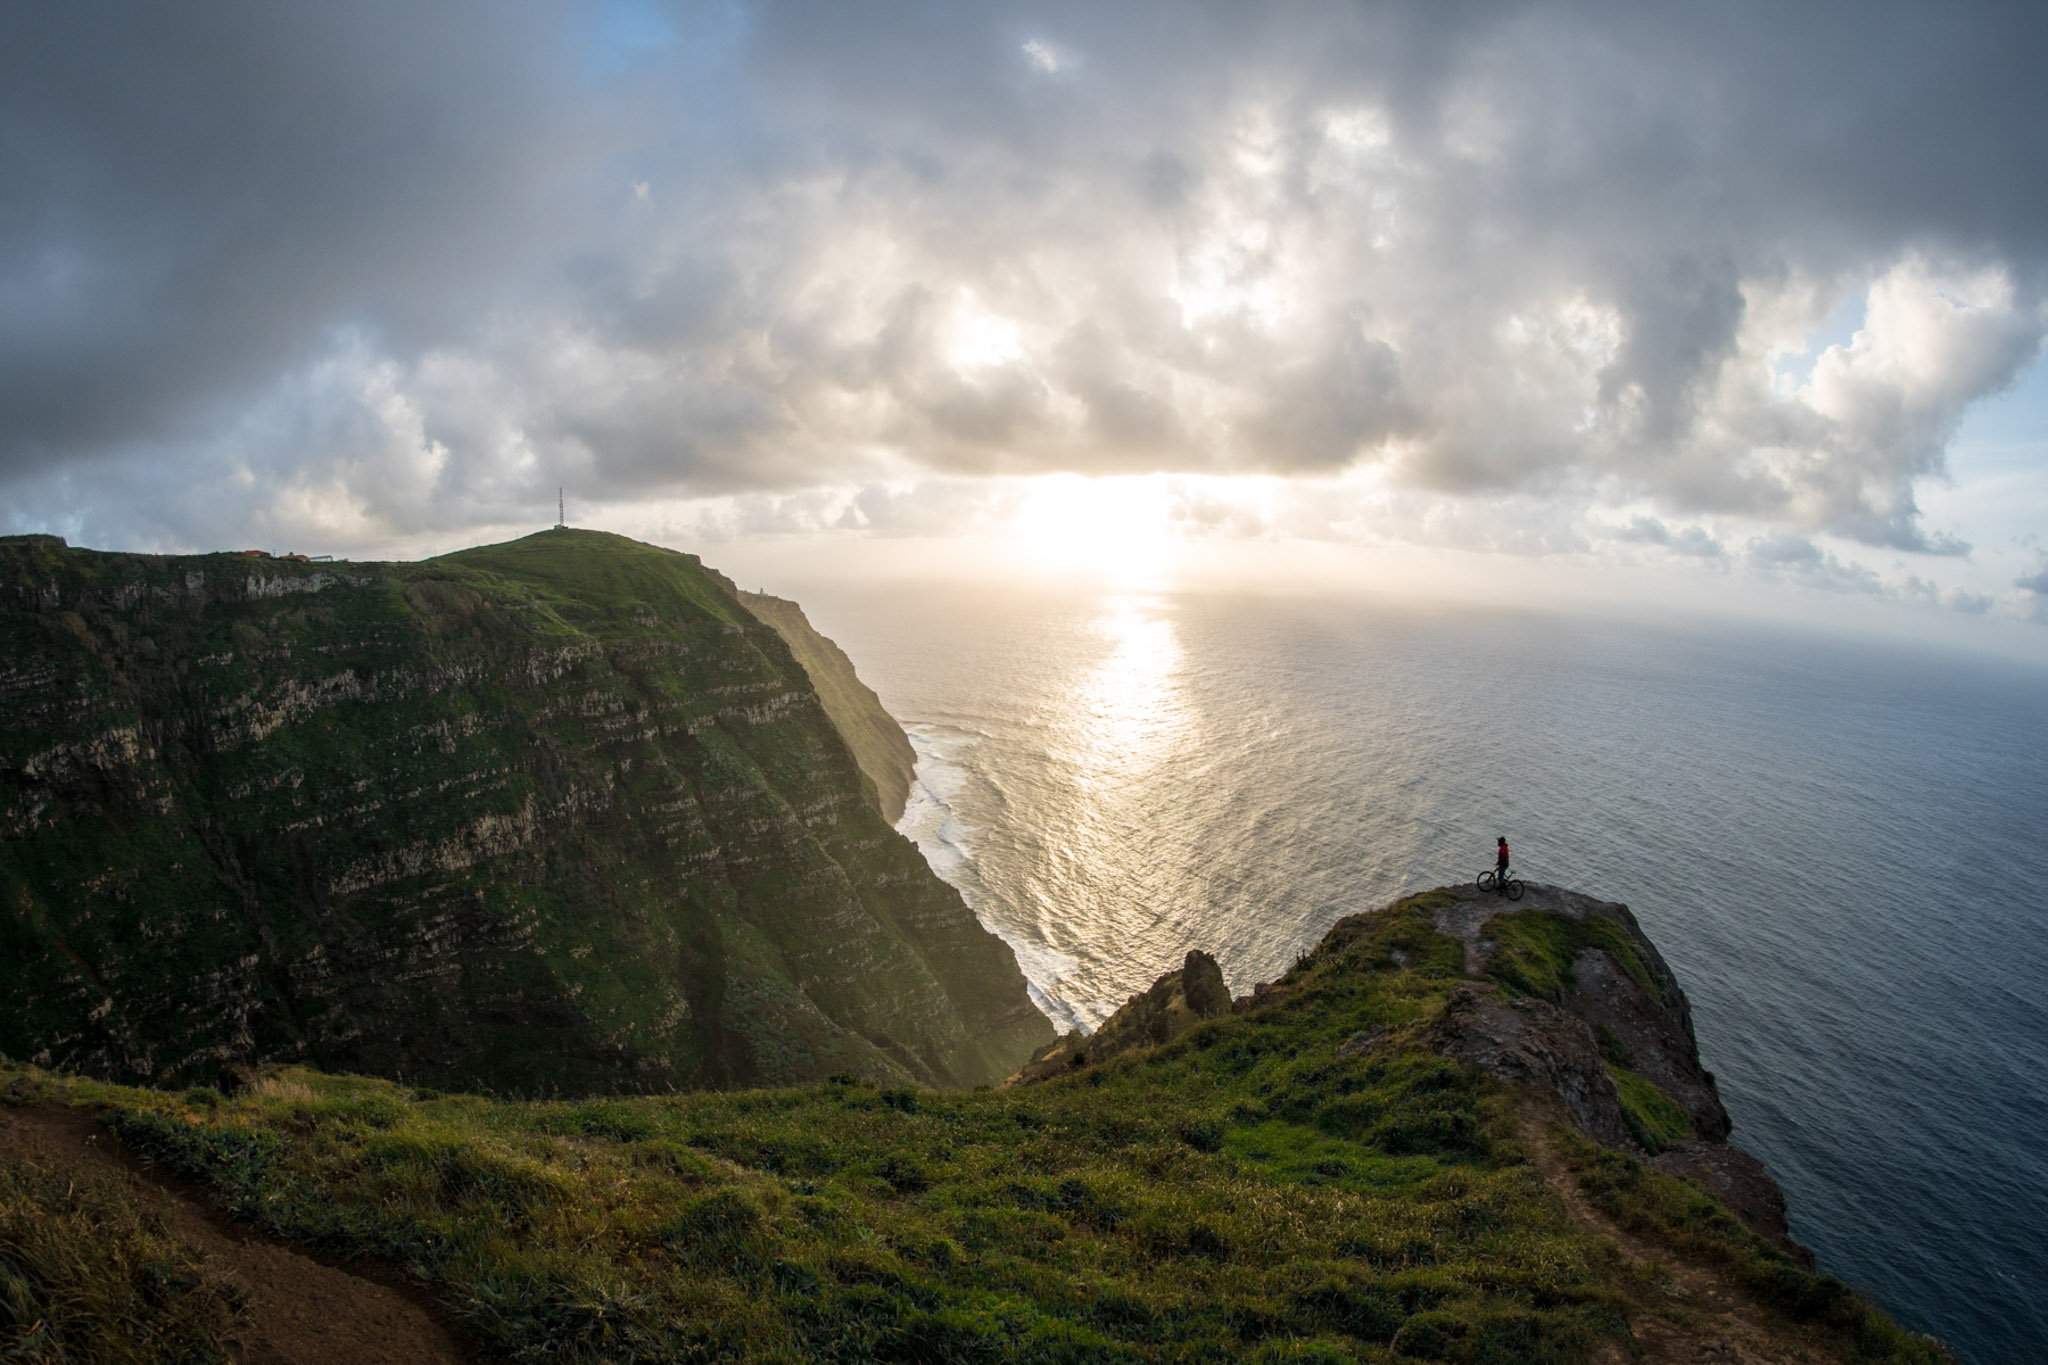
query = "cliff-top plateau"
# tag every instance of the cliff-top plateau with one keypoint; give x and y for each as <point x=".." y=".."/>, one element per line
<point x="554" y="816"/>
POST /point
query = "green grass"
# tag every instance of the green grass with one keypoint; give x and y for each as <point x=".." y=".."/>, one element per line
<point x="1241" y="1194"/>
<point x="1694" y="1223"/>
<point x="87" y="1275"/>
<point x="1535" y="950"/>
<point x="1653" y="1118"/>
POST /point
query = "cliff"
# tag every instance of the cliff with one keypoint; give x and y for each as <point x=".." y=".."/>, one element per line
<point x="1564" y="999"/>
<point x="886" y="759"/>
<point x="1444" y="1135"/>
<point x="1569" y="1001"/>
<point x="554" y="815"/>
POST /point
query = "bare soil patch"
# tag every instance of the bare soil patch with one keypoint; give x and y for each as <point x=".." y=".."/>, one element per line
<point x="299" y="1309"/>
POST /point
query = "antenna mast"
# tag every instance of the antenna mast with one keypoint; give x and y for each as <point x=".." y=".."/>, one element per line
<point x="560" y="515"/>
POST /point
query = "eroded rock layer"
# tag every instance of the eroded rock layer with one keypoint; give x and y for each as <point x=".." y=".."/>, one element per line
<point x="555" y="814"/>
<point x="877" y="741"/>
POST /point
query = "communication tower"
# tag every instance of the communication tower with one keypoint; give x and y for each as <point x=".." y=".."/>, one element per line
<point x="560" y="515"/>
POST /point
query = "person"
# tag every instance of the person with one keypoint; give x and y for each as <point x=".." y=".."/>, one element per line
<point x="1500" y="860"/>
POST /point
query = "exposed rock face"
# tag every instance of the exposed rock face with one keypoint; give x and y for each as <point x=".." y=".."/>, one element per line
<point x="1176" y="1002"/>
<point x="1529" y="1042"/>
<point x="1615" y="1016"/>
<point x="556" y="814"/>
<point x="886" y="759"/>
<point x="1742" y="1183"/>
<point x="1598" y="1013"/>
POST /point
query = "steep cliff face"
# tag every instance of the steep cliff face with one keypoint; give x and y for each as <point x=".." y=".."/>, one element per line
<point x="886" y="759"/>
<point x="555" y="814"/>
<point x="1569" y="998"/>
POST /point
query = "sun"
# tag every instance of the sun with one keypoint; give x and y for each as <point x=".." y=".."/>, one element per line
<point x="1116" y="527"/>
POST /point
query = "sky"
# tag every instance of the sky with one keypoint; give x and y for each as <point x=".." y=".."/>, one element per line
<point x="1731" y="306"/>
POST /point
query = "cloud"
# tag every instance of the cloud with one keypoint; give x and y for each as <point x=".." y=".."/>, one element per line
<point x="1691" y="541"/>
<point x="1800" y="560"/>
<point x="2035" y="588"/>
<point x="389" y="266"/>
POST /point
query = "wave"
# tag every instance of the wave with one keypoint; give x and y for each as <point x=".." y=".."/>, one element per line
<point x="932" y="821"/>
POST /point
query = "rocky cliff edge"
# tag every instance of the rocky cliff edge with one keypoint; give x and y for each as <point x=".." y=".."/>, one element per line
<point x="1563" y="999"/>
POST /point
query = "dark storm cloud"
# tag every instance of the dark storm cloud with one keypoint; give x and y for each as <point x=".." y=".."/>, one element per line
<point x="427" y="260"/>
<point x="191" y="194"/>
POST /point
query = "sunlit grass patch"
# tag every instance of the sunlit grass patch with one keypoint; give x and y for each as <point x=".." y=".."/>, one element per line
<point x="1534" y="951"/>
<point x="279" y="1088"/>
<point x="1285" y="1151"/>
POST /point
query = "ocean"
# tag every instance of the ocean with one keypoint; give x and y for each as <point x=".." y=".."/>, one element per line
<point x="1835" y="844"/>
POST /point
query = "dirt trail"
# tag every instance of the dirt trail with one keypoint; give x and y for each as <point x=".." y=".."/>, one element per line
<point x="1698" y="1314"/>
<point x="300" y="1311"/>
<point x="1464" y="919"/>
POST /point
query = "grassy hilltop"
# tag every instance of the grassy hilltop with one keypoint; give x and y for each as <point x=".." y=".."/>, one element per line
<point x="1307" y="1178"/>
<point x="553" y="816"/>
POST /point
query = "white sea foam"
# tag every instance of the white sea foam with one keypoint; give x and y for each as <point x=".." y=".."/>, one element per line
<point x="930" y="818"/>
<point x="932" y="821"/>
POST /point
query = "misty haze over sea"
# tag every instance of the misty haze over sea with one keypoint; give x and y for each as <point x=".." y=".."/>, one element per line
<point x="1835" y="844"/>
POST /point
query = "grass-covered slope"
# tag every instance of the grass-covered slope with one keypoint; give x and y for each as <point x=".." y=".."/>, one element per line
<point x="877" y="741"/>
<point x="1302" y="1180"/>
<point x="557" y="815"/>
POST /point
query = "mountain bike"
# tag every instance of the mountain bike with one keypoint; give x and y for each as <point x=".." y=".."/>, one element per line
<point x="1511" y="886"/>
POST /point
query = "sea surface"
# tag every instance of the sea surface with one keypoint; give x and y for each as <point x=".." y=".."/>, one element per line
<point x="1838" y="846"/>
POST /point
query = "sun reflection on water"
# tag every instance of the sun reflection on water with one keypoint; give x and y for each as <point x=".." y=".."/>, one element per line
<point x="1128" y="712"/>
<point x="1113" y="734"/>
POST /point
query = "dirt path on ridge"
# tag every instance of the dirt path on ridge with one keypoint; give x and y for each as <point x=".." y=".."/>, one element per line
<point x="1463" y="919"/>
<point x="299" y="1310"/>
<point x="1699" y="1314"/>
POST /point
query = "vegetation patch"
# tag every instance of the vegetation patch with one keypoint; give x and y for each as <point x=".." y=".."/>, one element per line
<point x="1654" y="1119"/>
<point x="234" y="1156"/>
<point x="88" y="1275"/>
<point x="1694" y="1223"/>
<point x="1535" y="950"/>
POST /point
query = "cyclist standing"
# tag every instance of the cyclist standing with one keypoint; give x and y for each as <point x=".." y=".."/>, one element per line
<point x="1500" y="860"/>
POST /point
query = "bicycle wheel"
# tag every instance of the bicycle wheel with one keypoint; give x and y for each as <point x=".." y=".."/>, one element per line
<point x="1486" y="881"/>
<point x="1514" y="888"/>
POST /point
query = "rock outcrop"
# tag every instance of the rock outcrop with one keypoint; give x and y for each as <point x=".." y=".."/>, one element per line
<point x="555" y="815"/>
<point x="1569" y="998"/>
<point x="1176" y="1002"/>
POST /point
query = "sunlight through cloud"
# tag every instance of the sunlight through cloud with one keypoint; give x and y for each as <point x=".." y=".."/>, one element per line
<point x="1117" y="527"/>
